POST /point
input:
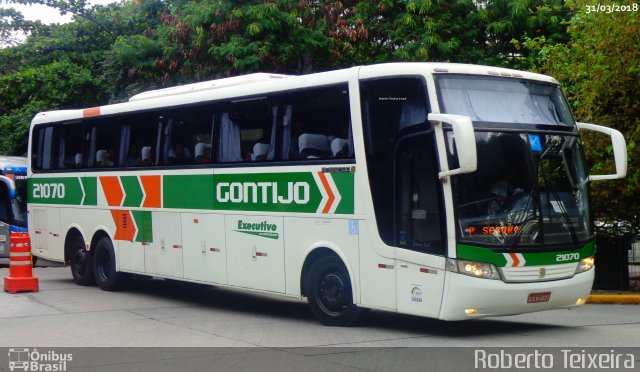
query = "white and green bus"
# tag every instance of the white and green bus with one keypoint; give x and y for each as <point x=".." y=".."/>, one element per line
<point x="442" y="190"/>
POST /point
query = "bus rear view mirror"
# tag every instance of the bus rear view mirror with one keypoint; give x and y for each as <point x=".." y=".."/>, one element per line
<point x="465" y="142"/>
<point x="619" y="151"/>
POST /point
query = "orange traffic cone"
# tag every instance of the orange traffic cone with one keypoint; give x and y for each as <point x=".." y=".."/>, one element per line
<point x="20" y="277"/>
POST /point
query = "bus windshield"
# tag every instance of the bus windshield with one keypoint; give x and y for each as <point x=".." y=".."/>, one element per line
<point x="492" y="99"/>
<point x="528" y="190"/>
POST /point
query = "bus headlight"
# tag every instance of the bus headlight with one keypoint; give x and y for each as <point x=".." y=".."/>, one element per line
<point x="475" y="269"/>
<point x="585" y="264"/>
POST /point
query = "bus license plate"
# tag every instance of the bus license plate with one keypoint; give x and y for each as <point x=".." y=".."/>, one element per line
<point x="538" y="297"/>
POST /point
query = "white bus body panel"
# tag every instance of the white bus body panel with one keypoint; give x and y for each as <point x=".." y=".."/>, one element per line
<point x="163" y="256"/>
<point x="204" y="247"/>
<point x="254" y="261"/>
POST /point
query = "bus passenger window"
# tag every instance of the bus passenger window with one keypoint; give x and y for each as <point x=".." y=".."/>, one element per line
<point x="105" y="143"/>
<point x="317" y="125"/>
<point x="247" y="132"/>
<point x="70" y="143"/>
<point x="188" y="135"/>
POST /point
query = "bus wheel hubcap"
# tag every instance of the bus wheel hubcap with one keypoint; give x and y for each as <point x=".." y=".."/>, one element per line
<point x="332" y="292"/>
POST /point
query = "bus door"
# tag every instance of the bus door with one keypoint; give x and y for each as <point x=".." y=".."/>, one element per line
<point x="402" y="166"/>
<point x="418" y="225"/>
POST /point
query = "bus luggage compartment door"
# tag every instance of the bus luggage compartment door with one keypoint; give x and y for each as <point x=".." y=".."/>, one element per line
<point x="255" y="252"/>
<point x="204" y="249"/>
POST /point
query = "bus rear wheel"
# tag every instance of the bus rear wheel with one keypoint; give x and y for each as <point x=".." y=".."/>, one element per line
<point x="81" y="263"/>
<point x="104" y="264"/>
<point x="329" y="293"/>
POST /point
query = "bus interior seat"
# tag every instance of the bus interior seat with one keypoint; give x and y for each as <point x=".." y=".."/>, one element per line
<point x="340" y="147"/>
<point x="313" y="146"/>
<point x="101" y="158"/>
<point x="77" y="160"/>
<point x="173" y="158"/>
<point x="146" y="155"/>
<point x="260" y="151"/>
<point x="200" y="150"/>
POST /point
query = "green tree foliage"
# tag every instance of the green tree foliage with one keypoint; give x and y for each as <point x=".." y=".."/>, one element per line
<point x="32" y="89"/>
<point x="61" y="66"/>
<point x="600" y="69"/>
<point x="511" y="21"/>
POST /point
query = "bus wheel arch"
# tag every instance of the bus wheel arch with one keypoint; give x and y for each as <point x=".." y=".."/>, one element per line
<point x="328" y="285"/>
<point x="78" y="258"/>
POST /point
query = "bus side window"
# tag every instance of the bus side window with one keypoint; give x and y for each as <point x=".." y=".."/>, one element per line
<point x="247" y="131"/>
<point x="188" y="135"/>
<point x="42" y="150"/>
<point x="105" y="143"/>
<point x="139" y="139"/>
<point x="70" y="143"/>
<point x="317" y="125"/>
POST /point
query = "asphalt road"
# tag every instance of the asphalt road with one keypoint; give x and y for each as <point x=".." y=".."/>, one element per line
<point x="155" y="312"/>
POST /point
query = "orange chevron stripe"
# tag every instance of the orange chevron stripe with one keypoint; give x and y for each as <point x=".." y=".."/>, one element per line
<point x="327" y="188"/>
<point x="125" y="227"/>
<point x="515" y="259"/>
<point x="112" y="190"/>
<point x="152" y="186"/>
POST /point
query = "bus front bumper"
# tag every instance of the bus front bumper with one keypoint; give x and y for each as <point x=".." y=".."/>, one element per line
<point x="468" y="297"/>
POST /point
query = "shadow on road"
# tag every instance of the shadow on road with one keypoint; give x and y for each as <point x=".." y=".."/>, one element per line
<point x="256" y="304"/>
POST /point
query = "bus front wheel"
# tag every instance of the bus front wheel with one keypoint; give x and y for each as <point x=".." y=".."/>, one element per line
<point x="81" y="263"/>
<point x="104" y="264"/>
<point x="329" y="292"/>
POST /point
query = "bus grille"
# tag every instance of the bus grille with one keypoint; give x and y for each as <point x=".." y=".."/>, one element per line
<point x="538" y="273"/>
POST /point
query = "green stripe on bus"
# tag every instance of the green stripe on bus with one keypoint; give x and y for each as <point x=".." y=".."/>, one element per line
<point x="144" y="225"/>
<point x="57" y="190"/>
<point x="297" y="192"/>
<point x="188" y="192"/>
<point x="483" y="254"/>
<point x="90" y="185"/>
<point x="133" y="191"/>
<point x="345" y="183"/>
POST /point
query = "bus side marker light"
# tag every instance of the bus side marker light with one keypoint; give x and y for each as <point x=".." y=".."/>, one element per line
<point x="385" y="266"/>
<point x="428" y="271"/>
<point x="471" y="311"/>
<point x="581" y="301"/>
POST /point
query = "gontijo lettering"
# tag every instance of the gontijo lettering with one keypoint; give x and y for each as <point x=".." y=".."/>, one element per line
<point x="262" y="192"/>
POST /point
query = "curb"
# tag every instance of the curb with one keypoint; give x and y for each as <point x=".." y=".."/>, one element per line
<point x="614" y="299"/>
